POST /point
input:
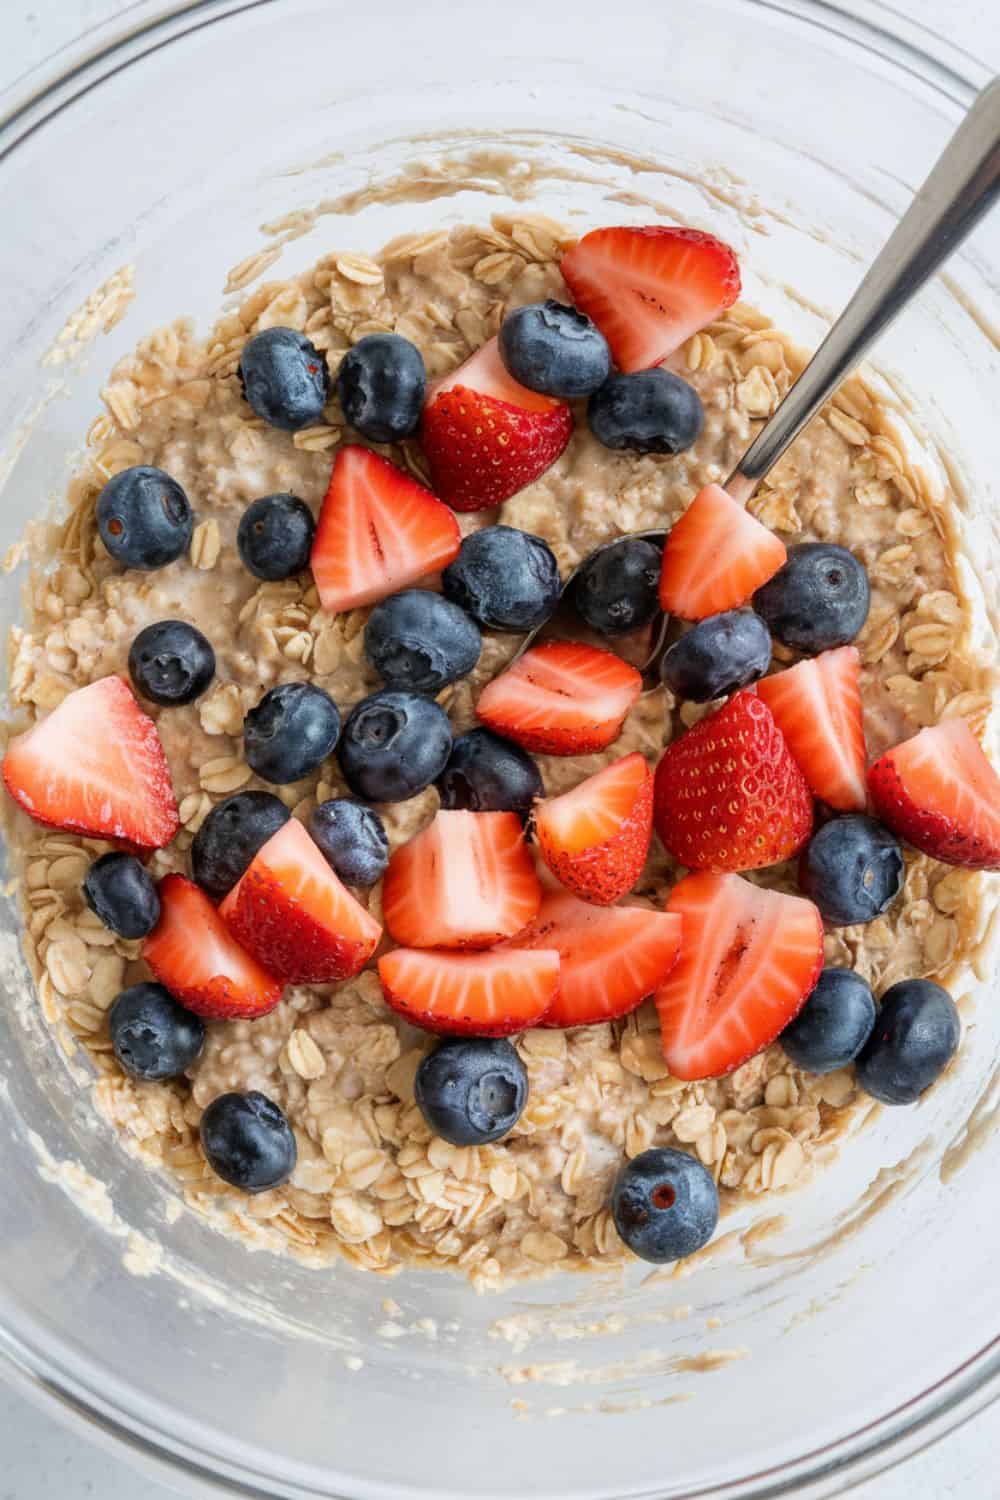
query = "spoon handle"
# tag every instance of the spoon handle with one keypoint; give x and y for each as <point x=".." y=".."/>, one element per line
<point x="963" y="185"/>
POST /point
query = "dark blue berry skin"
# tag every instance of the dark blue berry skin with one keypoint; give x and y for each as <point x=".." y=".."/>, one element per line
<point x="382" y="383"/>
<point x="171" y="663"/>
<point x="471" y="1090"/>
<point x="616" y="590"/>
<point x="486" y="773"/>
<point x="285" y="378"/>
<point x="123" y="895"/>
<point x="718" y="656"/>
<point x="651" y="411"/>
<point x="153" y="1036"/>
<point x="352" y="839"/>
<point x="552" y="348"/>
<point x="818" y="600"/>
<point x="394" y="745"/>
<point x="419" y="641"/>
<point x="275" y="537"/>
<point x="665" y="1205"/>
<point x="233" y="832"/>
<point x="292" y="730"/>
<point x="833" y="1025"/>
<point x="853" y="869"/>
<point x="248" y="1141"/>
<point x="144" y="518"/>
<point x="504" y="578"/>
<point x="915" y="1037"/>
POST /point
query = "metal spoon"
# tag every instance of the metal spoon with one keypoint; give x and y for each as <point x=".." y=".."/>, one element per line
<point x="962" y="187"/>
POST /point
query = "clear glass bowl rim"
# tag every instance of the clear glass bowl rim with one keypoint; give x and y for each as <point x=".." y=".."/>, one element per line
<point x="28" y="103"/>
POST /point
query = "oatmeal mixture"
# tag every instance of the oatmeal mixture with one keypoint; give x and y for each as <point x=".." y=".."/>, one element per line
<point x="371" y="1182"/>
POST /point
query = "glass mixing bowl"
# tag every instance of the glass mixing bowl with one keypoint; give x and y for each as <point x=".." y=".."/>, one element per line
<point x="809" y="1354"/>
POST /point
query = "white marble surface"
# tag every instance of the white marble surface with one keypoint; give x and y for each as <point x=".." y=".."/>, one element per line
<point x="38" y="1455"/>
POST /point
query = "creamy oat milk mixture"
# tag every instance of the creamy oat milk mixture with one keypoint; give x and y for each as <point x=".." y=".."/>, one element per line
<point x="372" y="1183"/>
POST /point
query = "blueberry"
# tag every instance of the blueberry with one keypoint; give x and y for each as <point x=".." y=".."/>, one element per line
<point x="248" y="1141"/>
<point x="171" y="663"/>
<point x="352" y="838"/>
<point x="718" y="656"/>
<point x="504" y="578"/>
<point x="123" y="895"/>
<point x="833" y="1025"/>
<point x="818" y="600"/>
<point x="153" y="1036"/>
<point x="651" y="411"/>
<point x="665" y="1204"/>
<point x="617" y="589"/>
<point x="382" y="383"/>
<point x="144" y="518"/>
<point x="915" y="1037"/>
<point x="471" y="1090"/>
<point x="420" y="641"/>
<point x="275" y="537"/>
<point x="233" y="832"/>
<point x="285" y="378"/>
<point x="394" y="744"/>
<point x="554" y="349"/>
<point x="292" y="730"/>
<point x="853" y="869"/>
<point x="486" y="773"/>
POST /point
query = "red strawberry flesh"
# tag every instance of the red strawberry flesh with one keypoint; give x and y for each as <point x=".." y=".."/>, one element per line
<point x="716" y="556"/>
<point x="611" y="957"/>
<point x="749" y="960"/>
<point x="194" y="955"/>
<point x="650" y="288"/>
<point x="295" y="916"/>
<point x="595" y="837"/>
<point x="817" y="706"/>
<point x="379" y="531"/>
<point x="95" y="765"/>
<point x="470" y="994"/>
<point x="940" y="793"/>
<point x="561" y="698"/>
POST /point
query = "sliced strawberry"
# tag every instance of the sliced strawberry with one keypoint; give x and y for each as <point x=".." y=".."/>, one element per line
<point x="193" y="953"/>
<point x="95" y="765"/>
<point x="649" y="289"/>
<point x="716" y="556"/>
<point x="470" y="994"/>
<point x="293" y="914"/>
<point x="729" y="796"/>
<point x="379" y="531"/>
<point x="466" y="881"/>
<point x="561" y="698"/>
<point x="486" y="436"/>
<point x="595" y="838"/>
<point x="817" y="707"/>
<point x="749" y="960"/>
<point x="940" y="793"/>
<point x="611" y="957"/>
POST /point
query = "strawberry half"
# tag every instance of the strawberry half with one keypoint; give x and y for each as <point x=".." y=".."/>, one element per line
<point x="470" y="994"/>
<point x="728" y="794"/>
<point x="192" y="953"/>
<point x="561" y="698"/>
<point x="486" y="436"/>
<point x="817" y="707"/>
<point x="595" y="838"/>
<point x="749" y="960"/>
<point x="378" y="531"/>
<point x="293" y="914"/>
<point x="716" y="557"/>
<point x="610" y="957"/>
<point x="466" y="881"/>
<point x="649" y="289"/>
<point x="940" y="793"/>
<point x="95" y="765"/>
